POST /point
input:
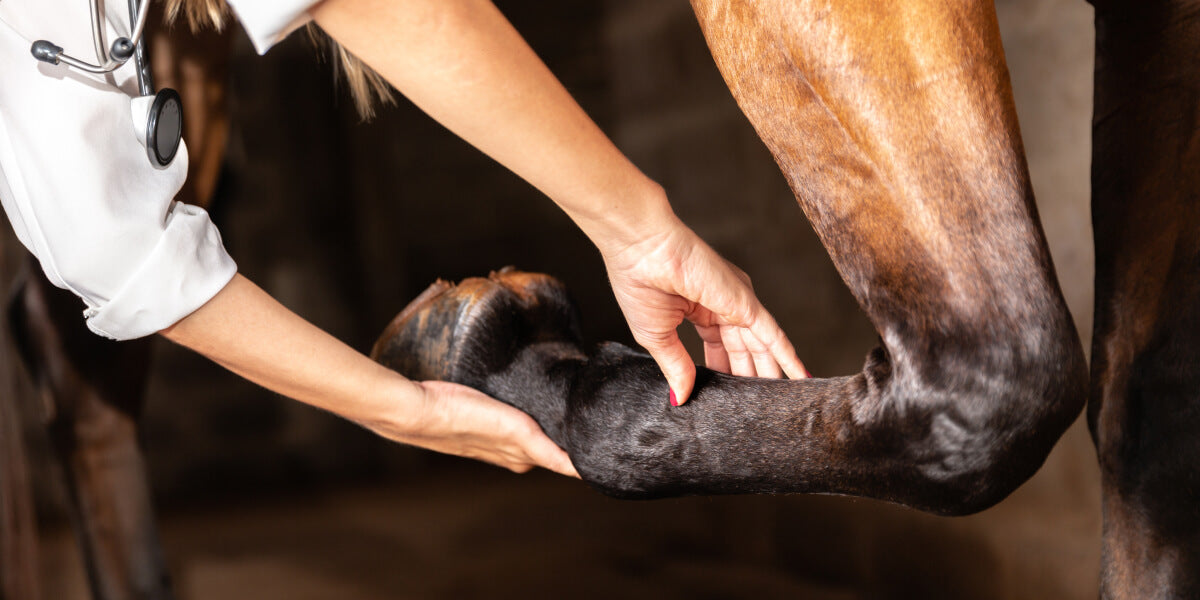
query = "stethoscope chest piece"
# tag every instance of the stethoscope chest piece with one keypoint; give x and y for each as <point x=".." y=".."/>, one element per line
<point x="164" y="127"/>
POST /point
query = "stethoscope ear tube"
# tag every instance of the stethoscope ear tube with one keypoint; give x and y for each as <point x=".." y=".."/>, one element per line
<point x="122" y="49"/>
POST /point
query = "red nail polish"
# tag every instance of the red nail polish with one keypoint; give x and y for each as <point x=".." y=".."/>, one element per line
<point x="674" y="402"/>
<point x="807" y="373"/>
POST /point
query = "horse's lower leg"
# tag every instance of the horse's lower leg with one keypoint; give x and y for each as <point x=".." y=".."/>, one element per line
<point x="1145" y="405"/>
<point x="93" y="392"/>
<point x="895" y="126"/>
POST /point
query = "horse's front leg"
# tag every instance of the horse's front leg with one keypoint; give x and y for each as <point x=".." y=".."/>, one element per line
<point x="93" y="393"/>
<point x="1145" y="406"/>
<point x="894" y="124"/>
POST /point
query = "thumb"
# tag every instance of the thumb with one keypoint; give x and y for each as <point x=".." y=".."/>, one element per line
<point x="548" y="455"/>
<point x="676" y="365"/>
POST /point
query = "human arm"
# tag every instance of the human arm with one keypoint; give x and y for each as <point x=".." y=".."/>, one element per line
<point x="248" y="332"/>
<point x="461" y="62"/>
<point x="111" y="233"/>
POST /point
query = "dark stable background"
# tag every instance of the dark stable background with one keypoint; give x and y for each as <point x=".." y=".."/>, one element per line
<point x="344" y="222"/>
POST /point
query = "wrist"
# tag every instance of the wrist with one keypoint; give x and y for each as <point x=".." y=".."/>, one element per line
<point x="626" y="218"/>
<point x="395" y="408"/>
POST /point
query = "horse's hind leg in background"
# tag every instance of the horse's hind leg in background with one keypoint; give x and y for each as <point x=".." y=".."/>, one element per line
<point x="1145" y="406"/>
<point x="92" y="391"/>
<point x="895" y="126"/>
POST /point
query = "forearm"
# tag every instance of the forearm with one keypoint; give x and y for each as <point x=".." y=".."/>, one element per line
<point x="463" y="63"/>
<point x="250" y="333"/>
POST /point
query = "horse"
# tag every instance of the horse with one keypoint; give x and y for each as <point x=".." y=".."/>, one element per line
<point x="895" y="128"/>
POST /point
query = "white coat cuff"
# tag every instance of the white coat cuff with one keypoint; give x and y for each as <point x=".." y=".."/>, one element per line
<point x="267" y="22"/>
<point x="187" y="267"/>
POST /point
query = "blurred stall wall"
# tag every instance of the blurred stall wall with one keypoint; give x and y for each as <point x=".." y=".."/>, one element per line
<point x="345" y="222"/>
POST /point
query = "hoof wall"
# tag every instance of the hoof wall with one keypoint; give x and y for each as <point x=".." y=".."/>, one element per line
<point x="463" y="332"/>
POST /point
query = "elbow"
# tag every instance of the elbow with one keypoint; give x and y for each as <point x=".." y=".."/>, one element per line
<point x="95" y="270"/>
<point x="88" y="275"/>
<point x="139" y="274"/>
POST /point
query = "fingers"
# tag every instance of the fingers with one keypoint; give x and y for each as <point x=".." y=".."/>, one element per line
<point x="674" y="361"/>
<point x="474" y="425"/>
<point x="546" y="454"/>
<point x="531" y="447"/>
<point x="775" y="344"/>
<point x="740" y="361"/>
<point x="738" y="351"/>
<point x="524" y="448"/>
<point x="746" y="355"/>
<point x="755" y="343"/>
<point x="764" y="363"/>
<point x="715" y="355"/>
<point x="766" y="349"/>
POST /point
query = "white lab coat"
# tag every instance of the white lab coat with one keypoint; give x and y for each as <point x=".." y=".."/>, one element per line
<point x="75" y="180"/>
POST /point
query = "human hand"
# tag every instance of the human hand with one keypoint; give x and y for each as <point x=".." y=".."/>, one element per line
<point x="253" y="335"/>
<point x="673" y="275"/>
<point x="456" y="419"/>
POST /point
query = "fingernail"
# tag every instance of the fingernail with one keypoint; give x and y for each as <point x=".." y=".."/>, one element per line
<point x="807" y="373"/>
<point x="674" y="402"/>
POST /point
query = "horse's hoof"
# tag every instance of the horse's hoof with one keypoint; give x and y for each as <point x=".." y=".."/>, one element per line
<point x="464" y="332"/>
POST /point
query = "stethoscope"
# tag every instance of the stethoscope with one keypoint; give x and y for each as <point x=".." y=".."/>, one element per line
<point x="164" y="126"/>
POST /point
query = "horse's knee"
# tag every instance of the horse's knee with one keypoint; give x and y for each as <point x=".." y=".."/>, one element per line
<point x="980" y="423"/>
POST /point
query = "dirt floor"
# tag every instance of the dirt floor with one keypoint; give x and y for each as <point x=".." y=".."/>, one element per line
<point x="478" y="532"/>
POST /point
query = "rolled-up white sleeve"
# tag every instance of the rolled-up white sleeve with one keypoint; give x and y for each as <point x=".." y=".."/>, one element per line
<point x="268" y="22"/>
<point x="82" y="195"/>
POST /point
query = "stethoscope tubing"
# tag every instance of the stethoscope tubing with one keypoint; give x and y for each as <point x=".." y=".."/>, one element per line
<point x="164" y="125"/>
<point x="144" y="77"/>
<point x="122" y="49"/>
